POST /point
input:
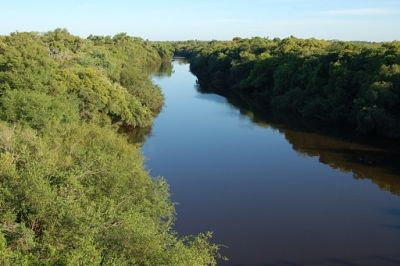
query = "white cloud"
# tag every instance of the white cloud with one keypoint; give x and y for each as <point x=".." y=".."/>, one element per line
<point x="359" y="11"/>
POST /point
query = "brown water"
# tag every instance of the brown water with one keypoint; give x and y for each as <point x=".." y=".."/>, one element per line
<point x="272" y="194"/>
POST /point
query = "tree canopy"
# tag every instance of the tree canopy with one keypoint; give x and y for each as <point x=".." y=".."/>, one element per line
<point x="341" y="84"/>
<point x="72" y="190"/>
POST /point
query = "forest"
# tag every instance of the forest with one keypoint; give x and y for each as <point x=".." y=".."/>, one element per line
<point x="74" y="191"/>
<point x="350" y="86"/>
<point x="74" y="187"/>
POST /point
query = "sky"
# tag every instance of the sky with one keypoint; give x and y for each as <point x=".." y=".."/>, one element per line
<point x="364" y="20"/>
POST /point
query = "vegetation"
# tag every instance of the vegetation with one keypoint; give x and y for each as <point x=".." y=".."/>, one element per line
<point x="72" y="190"/>
<point x="348" y="85"/>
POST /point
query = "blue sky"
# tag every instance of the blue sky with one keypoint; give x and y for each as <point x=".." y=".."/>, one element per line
<point x="373" y="20"/>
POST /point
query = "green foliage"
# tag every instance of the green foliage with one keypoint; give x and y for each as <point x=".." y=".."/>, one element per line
<point x="350" y="85"/>
<point x="37" y="109"/>
<point x="73" y="191"/>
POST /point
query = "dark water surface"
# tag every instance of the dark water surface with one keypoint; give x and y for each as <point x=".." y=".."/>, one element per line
<point x="273" y="195"/>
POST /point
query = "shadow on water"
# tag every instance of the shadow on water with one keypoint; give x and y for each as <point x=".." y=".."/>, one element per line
<point x="376" y="160"/>
<point x="136" y="135"/>
<point x="164" y="70"/>
<point x="140" y="135"/>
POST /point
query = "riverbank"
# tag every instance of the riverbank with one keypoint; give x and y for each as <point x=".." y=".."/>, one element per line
<point x="343" y="85"/>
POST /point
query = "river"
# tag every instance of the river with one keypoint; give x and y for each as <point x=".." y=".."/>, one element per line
<point x="271" y="194"/>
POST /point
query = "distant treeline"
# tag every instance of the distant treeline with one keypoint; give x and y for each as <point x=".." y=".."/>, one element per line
<point x="72" y="190"/>
<point x="351" y="85"/>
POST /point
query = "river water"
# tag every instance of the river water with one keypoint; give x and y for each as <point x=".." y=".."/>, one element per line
<point x="271" y="194"/>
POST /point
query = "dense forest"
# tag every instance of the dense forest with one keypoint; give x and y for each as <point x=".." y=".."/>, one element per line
<point x="73" y="190"/>
<point x="347" y="85"/>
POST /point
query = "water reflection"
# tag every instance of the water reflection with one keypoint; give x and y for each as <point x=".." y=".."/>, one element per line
<point x="365" y="162"/>
<point x="140" y="135"/>
<point x="379" y="162"/>
<point x="136" y="135"/>
<point x="165" y="70"/>
<point x="259" y="185"/>
<point x="366" y="159"/>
